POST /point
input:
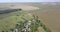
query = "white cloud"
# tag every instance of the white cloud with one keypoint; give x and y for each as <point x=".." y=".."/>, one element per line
<point x="29" y="0"/>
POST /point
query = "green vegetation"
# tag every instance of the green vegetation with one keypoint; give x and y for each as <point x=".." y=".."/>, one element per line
<point x="10" y="21"/>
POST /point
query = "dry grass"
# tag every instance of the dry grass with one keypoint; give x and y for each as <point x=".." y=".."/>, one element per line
<point x="51" y="17"/>
<point x="23" y="7"/>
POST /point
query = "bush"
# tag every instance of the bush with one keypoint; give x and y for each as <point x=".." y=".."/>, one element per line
<point x="2" y="31"/>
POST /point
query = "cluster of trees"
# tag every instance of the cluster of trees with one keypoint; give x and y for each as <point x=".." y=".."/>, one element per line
<point x="9" y="11"/>
<point x="35" y="23"/>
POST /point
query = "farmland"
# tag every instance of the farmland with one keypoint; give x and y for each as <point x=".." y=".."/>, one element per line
<point x="9" y="17"/>
<point x="48" y="14"/>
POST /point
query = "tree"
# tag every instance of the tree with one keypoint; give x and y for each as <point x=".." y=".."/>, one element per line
<point x="2" y="31"/>
<point x="12" y="30"/>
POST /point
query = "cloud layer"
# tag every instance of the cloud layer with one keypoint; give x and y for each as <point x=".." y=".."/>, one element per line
<point x="29" y="0"/>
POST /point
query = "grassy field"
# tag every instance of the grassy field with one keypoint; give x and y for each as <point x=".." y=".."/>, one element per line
<point x="8" y="22"/>
<point x="49" y="15"/>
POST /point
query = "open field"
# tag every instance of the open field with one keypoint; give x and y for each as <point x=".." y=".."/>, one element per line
<point x="8" y="20"/>
<point x="49" y="15"/>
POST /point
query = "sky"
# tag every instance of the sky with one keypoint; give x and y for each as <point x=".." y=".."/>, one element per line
<point x="8" y="1"/>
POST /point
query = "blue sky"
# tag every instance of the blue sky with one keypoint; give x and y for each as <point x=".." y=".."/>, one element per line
<point x="3" y="1"/>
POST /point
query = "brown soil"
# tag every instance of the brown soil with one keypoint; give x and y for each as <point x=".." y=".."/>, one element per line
<point x="23" y="7"/>
<point x="51" y="18"/>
